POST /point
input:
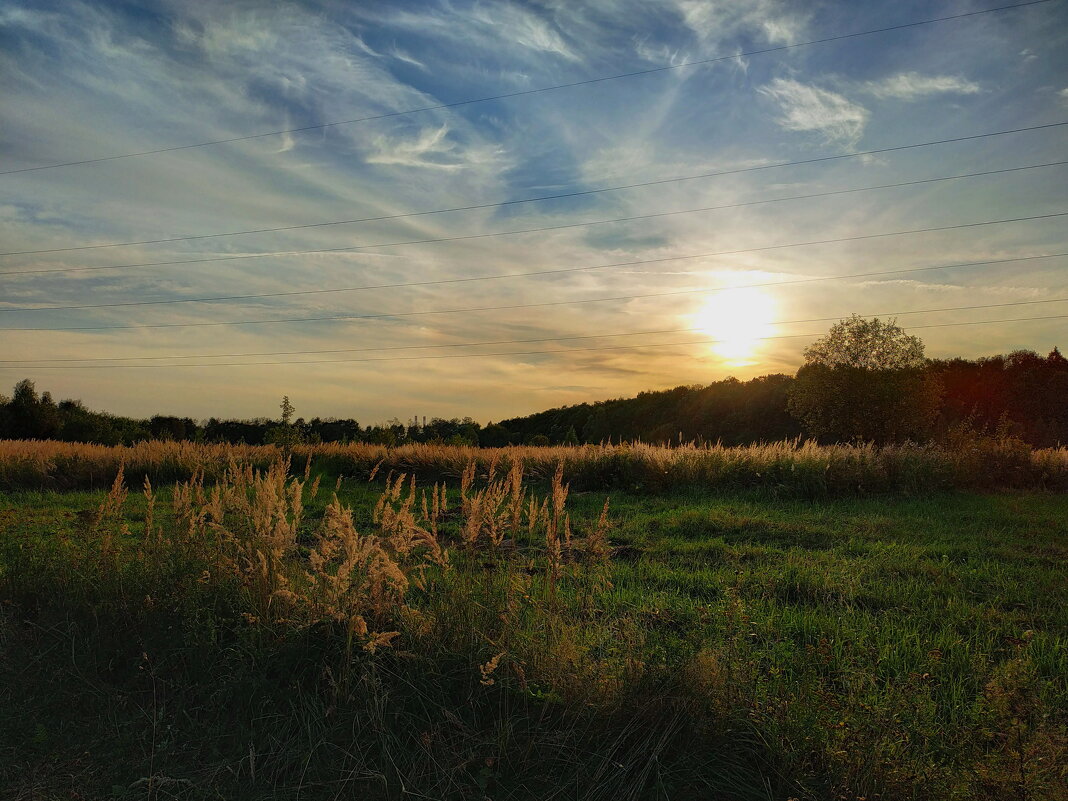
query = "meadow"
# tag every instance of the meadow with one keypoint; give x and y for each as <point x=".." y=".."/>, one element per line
<point x="785" y="621"/>
<point x="793" y="467"/>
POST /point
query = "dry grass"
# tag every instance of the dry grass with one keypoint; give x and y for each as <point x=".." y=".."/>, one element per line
<point x="248" y="527"/>
<point x="799" y="467"/>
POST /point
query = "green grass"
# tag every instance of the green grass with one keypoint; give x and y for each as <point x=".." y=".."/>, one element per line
<point x="746" y="647"/>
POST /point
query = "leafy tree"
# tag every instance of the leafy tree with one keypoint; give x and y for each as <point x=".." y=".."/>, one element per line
<point x="866" y="380"/>
<point x="48" y="418"/>
<point x="174" y="428"/>
<point x="24" y="403"/>
<point x="33" y="417"/>
<point x="495" y="436"/>
<point x="867" y="345"/>
<point x="597" y="428"/>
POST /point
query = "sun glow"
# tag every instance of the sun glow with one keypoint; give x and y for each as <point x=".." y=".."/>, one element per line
<point x="738" y="319"/>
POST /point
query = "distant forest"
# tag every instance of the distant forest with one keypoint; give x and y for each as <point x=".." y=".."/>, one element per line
<point x="1023" y="394"/>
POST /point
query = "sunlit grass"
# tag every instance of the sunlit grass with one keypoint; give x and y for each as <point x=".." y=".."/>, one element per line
<point x="790" y="467"/>
<point x="256" y="639"/>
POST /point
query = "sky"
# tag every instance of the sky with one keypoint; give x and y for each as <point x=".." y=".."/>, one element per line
<point x="89" y="81"/>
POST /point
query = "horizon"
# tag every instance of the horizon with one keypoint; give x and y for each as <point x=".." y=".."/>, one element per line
<point x="97" y="81"/>
<point x="484" y="422"/>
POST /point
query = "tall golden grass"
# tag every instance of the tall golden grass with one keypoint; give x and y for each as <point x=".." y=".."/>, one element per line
<point x="791" y="466"/>
<point x="247" y="531"/>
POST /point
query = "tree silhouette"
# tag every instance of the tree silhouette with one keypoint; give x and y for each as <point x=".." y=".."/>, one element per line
<point x="285" y="435"/>
<point x="287" y="410"/>
<point x="866" y="380"/>
<point x="867" y="345"/>
<point x="597" y="428"/>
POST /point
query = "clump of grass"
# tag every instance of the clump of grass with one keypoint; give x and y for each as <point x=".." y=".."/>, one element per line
<point x="248" y="530"/>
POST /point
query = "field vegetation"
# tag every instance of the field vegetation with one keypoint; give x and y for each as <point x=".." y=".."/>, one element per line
<point x="774" y="622"/>
<point x="410" y="615"/>
<point x="965" y="460"/>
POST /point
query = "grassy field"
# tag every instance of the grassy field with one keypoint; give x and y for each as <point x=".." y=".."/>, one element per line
<point x="708" y="642"/>
<point x="795" y="467"/>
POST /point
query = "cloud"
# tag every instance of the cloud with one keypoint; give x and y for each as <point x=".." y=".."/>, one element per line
<point x="407" y="59"/>
<point x="97" y="79"/>
<point x="426" y="150"/>
<point x="1063" y="96"/>
<point x="809" y="108"/>
<point x="436" y="148"/>
<point x="720" y="22"/>
<point x="480" y="29"/>
<point x="524" y="28"/>
<point x="913" y="86"/>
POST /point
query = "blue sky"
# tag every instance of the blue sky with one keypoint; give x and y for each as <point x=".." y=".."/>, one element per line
<point x="98" y="79"/>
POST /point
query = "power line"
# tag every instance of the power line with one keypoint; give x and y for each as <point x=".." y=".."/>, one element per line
<point x="539" y="198"/>
<point x="506" y="353"/>
<point x="515" y="341"/>
<point x="465" y="237"/>
<point x="537" y="272"/>
<point x="546" y="304"/>
<point x="525" y="92"/>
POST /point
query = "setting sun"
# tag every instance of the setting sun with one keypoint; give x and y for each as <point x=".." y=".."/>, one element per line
<point x="738" y="319"/>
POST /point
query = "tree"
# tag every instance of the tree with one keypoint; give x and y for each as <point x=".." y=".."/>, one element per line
<point x="866" y="380"/>
<point x="597" y="428"/>
<point x="285" y="435"/>
<point x="33" y="417"/>
<point x="287" y="410"/>
<point x="867" y="345"/>
<point x="24" y="403"/>
<point x="494" y="435"/>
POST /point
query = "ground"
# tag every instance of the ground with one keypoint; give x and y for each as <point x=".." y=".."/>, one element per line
<point x="738" y="646"/>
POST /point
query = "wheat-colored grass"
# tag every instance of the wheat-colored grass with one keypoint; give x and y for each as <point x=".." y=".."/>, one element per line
<point x="792" y="466"/>
<point x="247" y="529"/>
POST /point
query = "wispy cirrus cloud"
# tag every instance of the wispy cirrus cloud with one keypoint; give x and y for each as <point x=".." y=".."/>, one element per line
<point x="431" y="149"/>
<point x="808" y="108"/>
<point x="525" y="28"/>
<point x="913" y="86"/>
<point x="92" y="79"/>
<point x="481" y="29"/>
<point x="714" y="22"/>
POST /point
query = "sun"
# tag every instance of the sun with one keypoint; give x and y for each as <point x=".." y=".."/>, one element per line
<point x="738" y="319"/>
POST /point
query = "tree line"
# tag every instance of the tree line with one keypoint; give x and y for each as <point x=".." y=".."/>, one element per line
<point x="29" y="415"/>
<point x="865" y="380"/>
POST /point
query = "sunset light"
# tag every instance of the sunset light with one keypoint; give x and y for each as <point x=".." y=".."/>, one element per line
<point x="528" y="399"/>
<point x="738" y="319"/>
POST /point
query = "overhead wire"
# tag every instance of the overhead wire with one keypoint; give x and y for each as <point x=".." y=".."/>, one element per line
<point x="506" y="353"/>
<point x="540" y="229"/>
<point x="468" y="279"/>
<point x="545" y="304"/>
<point x="517" y="341"/>
<point x="527" y="92"/>
<point x="540" y="198"/>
